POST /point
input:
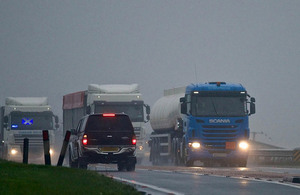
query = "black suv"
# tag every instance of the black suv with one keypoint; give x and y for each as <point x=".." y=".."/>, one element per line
<point x="103" y="138"/>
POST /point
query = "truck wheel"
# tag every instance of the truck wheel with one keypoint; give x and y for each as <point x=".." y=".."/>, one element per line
<point x="189" y="163"/>
<point x="207" y="163"/>
<point x="242" y="163"/>
<point x="5" y="153"/>
<point x="155" y="153"/>
<point x="177" y="157"/>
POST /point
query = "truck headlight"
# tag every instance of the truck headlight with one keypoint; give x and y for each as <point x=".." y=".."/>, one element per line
<point x="195" y="145"/>
<point x="141" y="147"/>
<point x="243" y="145"/>
<point x="13" y="151"/>
<point x="51" y="151"/>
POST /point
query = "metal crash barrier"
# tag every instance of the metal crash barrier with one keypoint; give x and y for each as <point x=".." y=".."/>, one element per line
<point x="274" y="156"/>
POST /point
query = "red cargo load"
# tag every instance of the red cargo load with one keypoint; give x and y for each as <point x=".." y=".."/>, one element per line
<point x="73" y="100"/>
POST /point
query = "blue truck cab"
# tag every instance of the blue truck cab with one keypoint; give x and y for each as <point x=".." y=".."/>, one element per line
<point x="215" y="123"/>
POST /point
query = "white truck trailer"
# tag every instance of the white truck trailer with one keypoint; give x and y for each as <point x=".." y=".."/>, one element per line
<point x="26" y="117"/>
<point x="112" y="98"/>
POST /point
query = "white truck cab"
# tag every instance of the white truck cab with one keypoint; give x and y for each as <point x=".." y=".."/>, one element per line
<point x="25" y="117"/>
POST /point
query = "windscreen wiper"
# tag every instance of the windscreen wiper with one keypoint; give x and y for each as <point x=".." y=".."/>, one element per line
<point x="214" y="106"/>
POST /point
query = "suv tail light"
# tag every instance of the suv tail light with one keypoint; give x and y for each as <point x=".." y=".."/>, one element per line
<point x="109" y="115"/>
<point x="133" y="141"/>
<point x="84" y="140"/>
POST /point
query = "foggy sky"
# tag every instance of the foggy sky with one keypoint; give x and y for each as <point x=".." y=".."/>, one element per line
<point x="51" y="48"/>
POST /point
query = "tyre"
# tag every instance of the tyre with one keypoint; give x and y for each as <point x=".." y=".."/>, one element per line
<point x="4" y="153"/>
<point x="121" y="166"/>
<point x="130" y="166"/>
<point x="72" y="164"/>
<point x="242" y="163"/>
<point x="189" y="163"/>
<point x="82" y="164"/>
<point x="207" y="163"/>
<point x="155" y="153"/>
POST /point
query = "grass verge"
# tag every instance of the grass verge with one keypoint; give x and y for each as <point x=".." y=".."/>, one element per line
<point x="17" y="178"/>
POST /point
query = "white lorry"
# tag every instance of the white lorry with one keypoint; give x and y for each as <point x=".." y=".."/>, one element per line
<point x="112" y="98"/>
<point x="26" y="117"/>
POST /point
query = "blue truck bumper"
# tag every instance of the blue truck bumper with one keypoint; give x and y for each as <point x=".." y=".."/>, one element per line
<point x="222" y="155"/>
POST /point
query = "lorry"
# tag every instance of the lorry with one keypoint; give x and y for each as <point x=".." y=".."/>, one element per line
<point x="26" y="117"/>
<point x="109" y="98"/>
<point x="206" y="122"/>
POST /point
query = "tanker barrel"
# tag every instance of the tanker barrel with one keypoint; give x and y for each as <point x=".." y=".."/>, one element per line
<point x="165" y="113"/>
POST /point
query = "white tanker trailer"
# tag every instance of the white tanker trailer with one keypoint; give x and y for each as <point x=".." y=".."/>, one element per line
<point x="165" y="113"/>
<point x="166" y="122"/>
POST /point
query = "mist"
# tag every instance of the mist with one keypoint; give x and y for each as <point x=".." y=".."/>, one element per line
<point x="51" y="48"/>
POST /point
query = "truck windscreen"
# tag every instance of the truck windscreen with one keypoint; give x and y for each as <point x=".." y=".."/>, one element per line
<point x="135" y="112"/>
<point x="31" y="121"/>
<point x="218" y="106"/>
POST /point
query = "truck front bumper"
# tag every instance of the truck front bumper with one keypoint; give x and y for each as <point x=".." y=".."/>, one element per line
<point x="222" y="155"/>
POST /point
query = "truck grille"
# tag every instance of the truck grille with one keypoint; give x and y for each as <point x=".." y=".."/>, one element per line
<point x="34" y="139"/>
<point x="216" y="136"/>
<point x="137" y="132"/>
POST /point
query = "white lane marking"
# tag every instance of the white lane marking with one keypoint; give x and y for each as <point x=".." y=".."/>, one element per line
<point x="148" y="186"/>
<point x="294" y="185"/>
<point x="249" y="179"/>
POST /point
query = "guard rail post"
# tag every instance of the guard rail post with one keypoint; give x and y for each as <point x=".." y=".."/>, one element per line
<point x="46" y="147"/>
<point x="25" y="150"/>
<point x="64" y="148"/>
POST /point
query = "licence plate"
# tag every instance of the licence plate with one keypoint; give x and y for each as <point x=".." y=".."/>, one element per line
<point x="230" y="145"/>
<point x="219" y="154"/>
<point x="109" y="149"/>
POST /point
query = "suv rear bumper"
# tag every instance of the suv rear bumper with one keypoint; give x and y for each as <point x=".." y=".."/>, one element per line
<point x="105" y="155"/>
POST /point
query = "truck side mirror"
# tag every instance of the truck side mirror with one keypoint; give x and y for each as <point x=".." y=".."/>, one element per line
<point x="147" y="109"/>
<point x="56" y="119"/>
<point x="147" y="112"/>
<point x="182" y="99"/>
<point x="5" y="120"/>
<point x="88" y="110"/>
<point x="183" y="105"/>
<point x="183" y="108"/>
<point x="252" y="108"/>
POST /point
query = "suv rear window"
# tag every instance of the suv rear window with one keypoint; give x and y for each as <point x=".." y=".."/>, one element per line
<point x="111" y="124"/>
